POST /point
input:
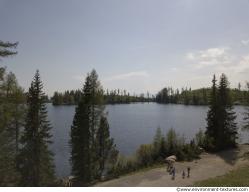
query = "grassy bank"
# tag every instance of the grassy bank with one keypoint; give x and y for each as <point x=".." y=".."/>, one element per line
<point x="236" y="178"/>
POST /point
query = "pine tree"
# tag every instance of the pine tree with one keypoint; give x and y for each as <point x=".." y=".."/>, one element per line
<point x="36" y="164"/>
<point x="12" y="110"/>
<point x="84" y="155"/>
<point x="227" y="127"/>
<point x="221" y="126"/>
<point x="212" y="116"/>
<point x="9" y="108"/>
<point x="105" y="144"/>
<point x="7" y="147"/>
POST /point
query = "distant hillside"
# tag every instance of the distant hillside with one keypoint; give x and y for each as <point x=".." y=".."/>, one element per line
<point x="198" y="96"/>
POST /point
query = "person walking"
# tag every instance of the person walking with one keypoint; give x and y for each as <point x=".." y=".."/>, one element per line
<point x="188" y="172"/>
<point x="171" y="169"/>
<point x="173" y="173"/>
<point x="183" y="174"/>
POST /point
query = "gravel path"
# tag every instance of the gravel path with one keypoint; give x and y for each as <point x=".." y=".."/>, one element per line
<point x="210" y="165"/>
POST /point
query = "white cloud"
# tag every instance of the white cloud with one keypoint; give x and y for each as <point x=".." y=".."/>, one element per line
<point x="219" y="60"/>
<point x="129" y="75"/>
<point x="210" y="57"/>
<point x="245" y="42"/>
<point x="242" y="66"/>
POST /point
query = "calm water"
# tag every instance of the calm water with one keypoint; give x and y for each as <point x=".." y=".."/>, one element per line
<point x="131" y="125"/>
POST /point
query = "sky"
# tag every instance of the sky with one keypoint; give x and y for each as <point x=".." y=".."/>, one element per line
<point x="137" y="45"/>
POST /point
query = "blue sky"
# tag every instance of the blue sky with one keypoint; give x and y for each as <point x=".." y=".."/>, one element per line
<point x="137" y="45"/>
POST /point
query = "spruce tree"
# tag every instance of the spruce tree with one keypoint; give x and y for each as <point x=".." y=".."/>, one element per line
<point x="9" y="108"/>
<point x="12" y="112"/>
<point x="7" y="144"/>
<point x="105" y="144"/>
<point x="212" y="117"/>
<point x="36" y="164"/>
<point x="227" y="127"/>
<point x="221" y="126"/>
<point x="84" y="155"/>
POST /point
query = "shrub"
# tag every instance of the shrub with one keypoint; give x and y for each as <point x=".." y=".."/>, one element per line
<point x="149" y="154"/>
<point x="204" y="141"/>
<point x="123" y="165"/>
<point x="200" y="139"/>
<point x="145" y="155"/>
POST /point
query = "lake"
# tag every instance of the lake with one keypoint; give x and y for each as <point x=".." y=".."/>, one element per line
<point x="132" y="125"/>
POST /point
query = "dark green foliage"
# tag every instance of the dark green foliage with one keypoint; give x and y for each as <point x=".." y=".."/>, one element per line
<point x="212" y="116"/>
<point x="201" y="139"/>
<point x="166" y="95"/>
<point x="198" y="96"/>
<point x="36" y="160"/>
<point x="221" y="126"/>
<point x="80" y="143"/>
<point x="90" y="134"/>
<point x="67" y="98"/>
<point x="145" y="155"/>
<point x="172" y="142"/>
<point x="105" y="145"/>
<point x="124" y="165"/>
<point x="5" y="48"/>
<point x="159" y="145"/>
<point x="149" y="155"/>
<point x="124" y="97"/>
<point x="12" y="111"/>
<point x="109" y="97"/>
<point x="83" y="130"/>
<point x="186" y="96"/>
<point x="227" y="125"/>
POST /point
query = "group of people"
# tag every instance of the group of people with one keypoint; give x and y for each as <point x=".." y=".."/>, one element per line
<point x="188" y="173"/>
<point x="172" y="171"/>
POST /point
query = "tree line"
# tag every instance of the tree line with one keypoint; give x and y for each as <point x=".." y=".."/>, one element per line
<point x="187" y="96"/>
<point x="116" y="96"/>
<point x="167" y="95"/>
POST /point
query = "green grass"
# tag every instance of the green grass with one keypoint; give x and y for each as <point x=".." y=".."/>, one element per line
<point x="236" y="178"/>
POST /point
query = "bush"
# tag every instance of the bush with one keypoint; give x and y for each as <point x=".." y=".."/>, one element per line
<point x="175" y="145"/>
<point x="145" y="155"/>
<point x="123" y="165"/>
<point x="200" y="139"/>
<point x="172" y="142"/>
<point x="150" y="154"/>
<point x="204" y="141"/>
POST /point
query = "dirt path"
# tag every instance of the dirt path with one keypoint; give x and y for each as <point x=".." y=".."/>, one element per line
<point x="210" y="165"/>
